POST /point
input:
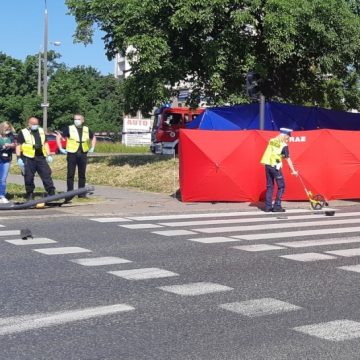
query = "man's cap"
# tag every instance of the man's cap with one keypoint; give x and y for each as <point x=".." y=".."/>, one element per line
<point x="286" y="131"/>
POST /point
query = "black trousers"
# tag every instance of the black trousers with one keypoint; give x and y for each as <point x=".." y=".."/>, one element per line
<point x="74" y="160"/>
<point x="39" y="165"/>
<point x="273" y="175"/>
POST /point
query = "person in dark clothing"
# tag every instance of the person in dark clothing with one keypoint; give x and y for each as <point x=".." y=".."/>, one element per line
<point x="7" y="146"/>
<point x="80" y="141"/>
<point x="276" y="150"/>
<point x="33" y="155"/>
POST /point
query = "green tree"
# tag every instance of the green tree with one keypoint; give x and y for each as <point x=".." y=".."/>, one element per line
<point x="306" y="51"/>
<point x="84" y="90"/>
<point x="70" y="90"/>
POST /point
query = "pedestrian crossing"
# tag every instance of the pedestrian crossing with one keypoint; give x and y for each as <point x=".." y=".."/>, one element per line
<point x="230" y="229"/>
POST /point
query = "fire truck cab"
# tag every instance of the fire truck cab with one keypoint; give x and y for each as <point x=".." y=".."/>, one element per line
<point x="166" y="126"/>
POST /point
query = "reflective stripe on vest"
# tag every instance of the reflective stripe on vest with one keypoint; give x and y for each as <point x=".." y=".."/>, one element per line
<point x="28" y="147"/>
<point x="73" y="142"/>
<point x="272" y="154"/>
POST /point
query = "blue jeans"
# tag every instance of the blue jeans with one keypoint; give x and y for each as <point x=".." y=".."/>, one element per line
<point x="273" y="175"/>
<point x="4" y="170"/>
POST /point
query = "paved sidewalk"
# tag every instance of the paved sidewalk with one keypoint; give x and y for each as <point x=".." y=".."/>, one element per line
<point x="121" y="202"/>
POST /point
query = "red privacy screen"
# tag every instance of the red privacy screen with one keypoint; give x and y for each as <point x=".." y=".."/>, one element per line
<point x="225" y="165"/>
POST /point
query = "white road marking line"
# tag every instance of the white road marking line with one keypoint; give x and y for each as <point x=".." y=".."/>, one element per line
<point x="19" y="324"/>
<point x="62" y="250"/>
<point x="141" y="226"/>
<point x="9" y="232"/>
<point x="291" y="234"/>
<point x="174" y="232"/>
<point x="143" y="274"/>
<point x="36" y="241"/>
<point x="99" y="261"/>
<point x="211" y="215"/>
<point x="213" y="240"/>
<point x="308" y="257"/>
<point x="110" y="220"/>
<point x="260" y="307"/>
<point x="274" y="217"/>
<point x="279" y="225"/>
<point x="320" y="242"/>
<point x="345" y="252"/>
<point x="258" y="247"/>
<point x="355" y="268"/>
<point x="194" y="289"/>
<point x="338" y="330"/>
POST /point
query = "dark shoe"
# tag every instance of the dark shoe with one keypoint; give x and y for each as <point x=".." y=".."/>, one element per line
<point x="29" y="196"/>
<point x="268" y="209"/>
<point x="278" y="209"/>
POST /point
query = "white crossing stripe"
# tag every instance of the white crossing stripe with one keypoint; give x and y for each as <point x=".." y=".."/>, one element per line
<point x="35" y="241"/>
<point x="19" y="324"/>
<point x="211" y="215"/>
<point x="141" y="226"/>
<point x="143" y="274"/>
<point x="213" y="240"/>
<point x="320" y="242"/>
<point x="174" y="232"/>
<point x="338" y="330"/>
<point x="258" y="247"/>
<point x="99" y="261"/>
<point x="9" y="232"/>
<point x="62" y="250"/>
<point x="291" y="234"/>
<point x="308" y="257"/>
<point x="346" y="252"/>
<point x="274" y="216"/>
<point x="110" y="219"/>
<point x="355" y="268"/>
<point x="260" y="307"/>
<point x="194" y="289"/>
<point x="279" y="225"/>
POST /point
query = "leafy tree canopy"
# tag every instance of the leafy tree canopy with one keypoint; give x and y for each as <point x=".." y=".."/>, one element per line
<point x="70" y="90"/>
<point x="306" y="51"/>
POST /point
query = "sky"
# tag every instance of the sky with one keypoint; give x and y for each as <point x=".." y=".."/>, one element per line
<point x="22" y="34"/>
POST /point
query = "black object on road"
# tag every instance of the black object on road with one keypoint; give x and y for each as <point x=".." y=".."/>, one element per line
<point x="25" y="234"/>
<point x="48" y="199"/>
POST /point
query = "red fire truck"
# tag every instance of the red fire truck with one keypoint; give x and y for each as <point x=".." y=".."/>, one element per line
<point x="167" y="123"/>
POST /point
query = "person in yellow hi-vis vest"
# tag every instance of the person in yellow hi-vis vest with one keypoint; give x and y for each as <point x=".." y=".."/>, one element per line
<point x="80" y="141"/>
<point x="33" y="155"/>
<point x="276" y="150"/>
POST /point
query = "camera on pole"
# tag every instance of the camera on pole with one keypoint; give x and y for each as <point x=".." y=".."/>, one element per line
<point x="253" y="85"/>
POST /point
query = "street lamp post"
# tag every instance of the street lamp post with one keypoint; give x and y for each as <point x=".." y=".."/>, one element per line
<point x="45" y="103"/>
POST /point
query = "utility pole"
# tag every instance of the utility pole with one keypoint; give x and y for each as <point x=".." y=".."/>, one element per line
<point x="45" y="103"/>
<point x="39" y="73"/>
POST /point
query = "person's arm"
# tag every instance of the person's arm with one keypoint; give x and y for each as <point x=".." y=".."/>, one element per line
<point x="20" y="140"/>
<point x="291" y="166"/>
<point x="60" y="137"/>
<point x="18" y="150"/>
<point x="58" y="140"/>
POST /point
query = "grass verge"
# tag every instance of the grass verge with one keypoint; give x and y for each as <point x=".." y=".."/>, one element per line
<point x="148" y="173"/>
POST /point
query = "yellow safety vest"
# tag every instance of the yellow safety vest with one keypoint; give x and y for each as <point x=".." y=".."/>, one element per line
<point x="272" y="154"/>
<point x="28" y="147"/>
<point x="73" y="142"/>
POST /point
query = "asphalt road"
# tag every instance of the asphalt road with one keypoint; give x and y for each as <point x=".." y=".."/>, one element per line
<point x="190" y="295"/>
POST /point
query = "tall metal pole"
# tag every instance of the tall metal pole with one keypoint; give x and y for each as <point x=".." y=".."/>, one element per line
<point x="262" y="112"/>
<point x="39" y="73"/>
<point x="45" y="104"/>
